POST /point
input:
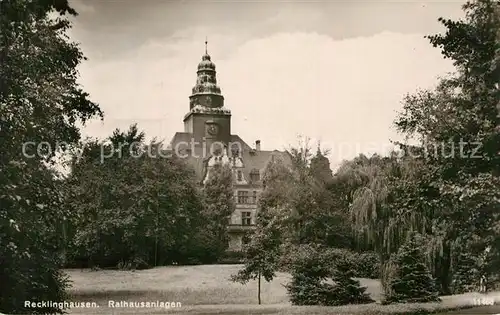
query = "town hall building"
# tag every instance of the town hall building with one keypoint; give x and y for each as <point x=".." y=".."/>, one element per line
<point x="207" y="140"/>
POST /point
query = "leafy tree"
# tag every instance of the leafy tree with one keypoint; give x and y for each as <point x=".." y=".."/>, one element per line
<point x="466" y="274"/>
<point x="279" y="183"/>
<point x="40" y="101"/>
<point x="446" y="187"/>
<point x="301" y="154"/>
<point x="460" y="118"/>
<point x="367" y="265"/>
<point x="219" y="205"/>
<point x="365" y="182"/>
<point x="133" y="209"/>
<point x="311" y="209"/>
<point x="262" y="254"/>
<point x="314" y="213"/>
<point x="412" y="281"/>
<point x="326" y="220"/>
<point x="320" y="167"/>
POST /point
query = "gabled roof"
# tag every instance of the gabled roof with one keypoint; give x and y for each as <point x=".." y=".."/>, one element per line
<point x="252" y="159"/>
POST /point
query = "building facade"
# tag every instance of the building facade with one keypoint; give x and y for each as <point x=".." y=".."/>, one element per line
<point x="207" y="140"/>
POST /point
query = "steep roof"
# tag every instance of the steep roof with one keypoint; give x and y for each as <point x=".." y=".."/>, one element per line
<point x="252" y="159"/>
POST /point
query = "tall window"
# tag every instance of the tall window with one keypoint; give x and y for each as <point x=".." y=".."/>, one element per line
<point x="255" y="175"/>
<point x="240" y="176"/>
<point x="254" y="197"/>
<point x="246" y="218"/>
<point x="243" y="196"/>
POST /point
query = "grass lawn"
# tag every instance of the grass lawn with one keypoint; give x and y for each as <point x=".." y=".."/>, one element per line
<point x="207" y="290"/>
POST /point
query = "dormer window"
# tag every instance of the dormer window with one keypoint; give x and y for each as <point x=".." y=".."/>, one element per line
<point x="235" y="152"/>
<point x="255" y="175"/>
<point x="239" y="176"/>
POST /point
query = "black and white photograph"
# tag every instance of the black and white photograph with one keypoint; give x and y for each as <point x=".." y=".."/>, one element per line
<point x="250" y="157"/>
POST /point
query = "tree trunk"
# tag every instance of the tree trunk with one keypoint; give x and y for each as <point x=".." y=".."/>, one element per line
<point x="258" y="290"/>
<point x="156" y="250"/>
<point x="65" y="242"/>
<point x="156" y="231"/>
<point x="445" y="271"/>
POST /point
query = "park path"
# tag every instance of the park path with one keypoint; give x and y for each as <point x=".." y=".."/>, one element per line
<point x="481" y="310"/>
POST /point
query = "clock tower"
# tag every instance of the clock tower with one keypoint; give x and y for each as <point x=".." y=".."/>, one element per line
<point x="207" y="120"/>
<point x="207" y="127"/>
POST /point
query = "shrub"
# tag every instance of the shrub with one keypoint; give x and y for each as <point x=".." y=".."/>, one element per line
<point x="309" y="268"/>
<point x="345" y="289"/>
<point x="324" y="277"/>
<point x="366" y="265"/>
<point x="465" y="273"/>
<point x="306" y="290"/>
<point x="362" y="264"/>
<point x="411" y="280"/>
<point x="133" y="264"/>
<point x="35" y="279"/>
<point x="231" y="258"/>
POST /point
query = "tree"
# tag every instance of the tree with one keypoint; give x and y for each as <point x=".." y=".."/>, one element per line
<point x="279" y="183"/>
<point x="136" y="208"/>
<point x="461" y="118"/>
<point x="323" y="276"/>
<point x="345" y="289"/>
<point x="466" y="274"/>
<point x="365" y="181"/>
<point x="309" y="268"/>
<point x="314" y="213"/>
<point x="40" y="101"/>
<point x="301" y="154"/>
<point x="447" y="187"/>
<point x="219" y="205"/>
<point x="312" y="210"/>
<point x="262" y="254"/>
<point x="412" y="281"/>
<point x="320" y="167"/>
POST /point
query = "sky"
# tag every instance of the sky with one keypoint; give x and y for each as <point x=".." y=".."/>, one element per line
<point x="333" y="71"/>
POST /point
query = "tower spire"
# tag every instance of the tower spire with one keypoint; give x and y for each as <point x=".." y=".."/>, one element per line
<point x="206" y="92"/>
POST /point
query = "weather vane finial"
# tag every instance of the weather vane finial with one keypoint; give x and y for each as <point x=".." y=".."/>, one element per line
<point x="206" y="44"/>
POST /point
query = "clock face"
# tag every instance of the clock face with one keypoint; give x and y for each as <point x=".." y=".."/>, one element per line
<point x="213" y="129"/>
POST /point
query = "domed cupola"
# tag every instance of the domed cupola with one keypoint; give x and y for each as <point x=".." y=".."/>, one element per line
<point x="206" y="92"/>
<point x="206" y="63"/>
<point x="207" y="120"/>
